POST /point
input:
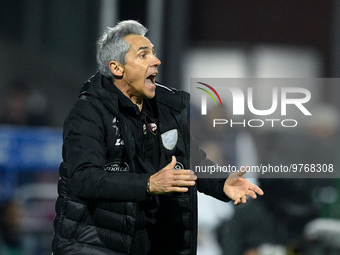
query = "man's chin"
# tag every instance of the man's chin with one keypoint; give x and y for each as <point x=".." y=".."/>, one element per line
<point x="150" y="96"/>
<point x="151" y="92"/>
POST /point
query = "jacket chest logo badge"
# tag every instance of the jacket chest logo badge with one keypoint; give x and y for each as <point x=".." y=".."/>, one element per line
<point x="169" y="139"/>
<point x="153" y="128"/>
<point x="119" y="142"/>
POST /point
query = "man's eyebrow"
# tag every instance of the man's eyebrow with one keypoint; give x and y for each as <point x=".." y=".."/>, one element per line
<point x="144" y="48"/>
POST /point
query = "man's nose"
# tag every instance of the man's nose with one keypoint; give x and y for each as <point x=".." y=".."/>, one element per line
<point x="155" y="61"/>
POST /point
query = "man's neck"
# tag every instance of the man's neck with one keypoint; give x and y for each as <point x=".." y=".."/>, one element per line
<point x="124" y="89"/>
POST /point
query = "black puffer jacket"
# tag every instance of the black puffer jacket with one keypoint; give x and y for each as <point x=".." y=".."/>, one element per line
<point x="100" y="187"/>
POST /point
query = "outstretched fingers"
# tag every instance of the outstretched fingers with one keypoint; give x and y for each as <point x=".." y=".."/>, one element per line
<point x="256" y="189"/>
<point x="251" y="193"/>
<point x="183" y="178"/>
<point x="170" y="180"/>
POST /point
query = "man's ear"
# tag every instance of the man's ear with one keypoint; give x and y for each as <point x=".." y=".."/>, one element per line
<point x="116" y="68"/>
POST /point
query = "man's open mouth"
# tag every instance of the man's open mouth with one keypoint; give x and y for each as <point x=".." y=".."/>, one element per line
<point x="151" y="79"/>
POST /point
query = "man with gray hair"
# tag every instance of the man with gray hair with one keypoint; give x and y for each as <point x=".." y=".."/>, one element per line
<point x="124" y="186"/>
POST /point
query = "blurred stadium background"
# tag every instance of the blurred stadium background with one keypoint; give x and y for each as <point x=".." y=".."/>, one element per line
<point x="47" y="50"/>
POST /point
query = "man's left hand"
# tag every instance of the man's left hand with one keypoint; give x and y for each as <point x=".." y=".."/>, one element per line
<point x="237" y="188"/>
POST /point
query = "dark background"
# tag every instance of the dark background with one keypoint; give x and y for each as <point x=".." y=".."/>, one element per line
<point x="50" y="45"/>
<point x="47" y="50"/>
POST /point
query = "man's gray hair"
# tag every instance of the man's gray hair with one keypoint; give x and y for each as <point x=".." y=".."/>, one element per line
<point x="111" y="46"/>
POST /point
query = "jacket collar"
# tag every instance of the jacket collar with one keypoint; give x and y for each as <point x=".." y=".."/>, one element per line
<point x="102" y="87"/>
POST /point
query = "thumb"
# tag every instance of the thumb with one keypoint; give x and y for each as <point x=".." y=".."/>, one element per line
<point x="172" y="164"/>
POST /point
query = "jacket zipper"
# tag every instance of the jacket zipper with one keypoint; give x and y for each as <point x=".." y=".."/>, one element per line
<point x="144" y="136"/>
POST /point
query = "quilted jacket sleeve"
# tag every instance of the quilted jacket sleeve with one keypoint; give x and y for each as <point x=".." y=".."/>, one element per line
<point x="209" y="186"/>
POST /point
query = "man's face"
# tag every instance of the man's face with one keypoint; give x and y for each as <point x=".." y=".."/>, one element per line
<point x="140" y="69"/>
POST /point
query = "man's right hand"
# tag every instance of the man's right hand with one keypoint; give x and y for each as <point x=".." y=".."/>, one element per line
<point x="170" y="180"/>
